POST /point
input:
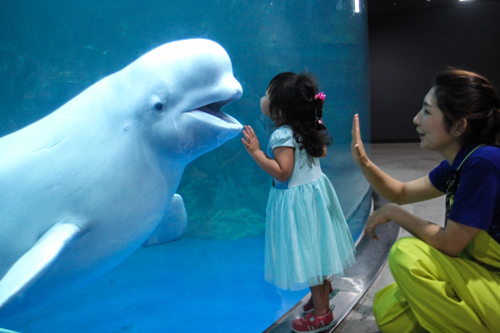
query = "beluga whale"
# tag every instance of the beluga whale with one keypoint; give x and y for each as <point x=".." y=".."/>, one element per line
<point x="84" y="187"/>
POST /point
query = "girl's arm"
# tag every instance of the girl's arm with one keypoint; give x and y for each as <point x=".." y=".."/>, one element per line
<point x="450" y="240"/>
<point x="281" y="167"/>
<point x="388" y="187"/>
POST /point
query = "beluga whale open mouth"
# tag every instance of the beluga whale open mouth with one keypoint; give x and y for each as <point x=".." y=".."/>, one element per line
<point x="212" y="114"/>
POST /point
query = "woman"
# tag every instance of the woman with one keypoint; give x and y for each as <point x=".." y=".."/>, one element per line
<point x="447" y="278"/>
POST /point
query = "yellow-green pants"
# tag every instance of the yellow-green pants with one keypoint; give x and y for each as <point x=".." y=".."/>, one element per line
<point x="438" y="293"/>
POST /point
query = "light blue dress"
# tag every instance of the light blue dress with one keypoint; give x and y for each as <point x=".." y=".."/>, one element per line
<point x="307" y="238"/>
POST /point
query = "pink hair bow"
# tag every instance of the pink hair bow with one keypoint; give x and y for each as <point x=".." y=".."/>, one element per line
<point x="320" y="96"/>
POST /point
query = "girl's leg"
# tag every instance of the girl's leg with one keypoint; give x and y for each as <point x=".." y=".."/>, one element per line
<point x="321" y="318"/>
<point x="309" y="306"/>
<point x="320" y="298"/>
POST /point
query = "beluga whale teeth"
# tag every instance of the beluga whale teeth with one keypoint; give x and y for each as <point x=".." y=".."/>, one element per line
<point x="71" y="213"/>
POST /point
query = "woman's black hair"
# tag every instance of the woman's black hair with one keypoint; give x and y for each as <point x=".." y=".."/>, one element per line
<point x="466" y="95"/>
<point x="292" y="102"/>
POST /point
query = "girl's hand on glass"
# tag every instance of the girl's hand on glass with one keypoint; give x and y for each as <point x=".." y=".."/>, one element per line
<point x="378" y="217"/>
<point x="357" y="147"/>
<point x="250" y="140"/>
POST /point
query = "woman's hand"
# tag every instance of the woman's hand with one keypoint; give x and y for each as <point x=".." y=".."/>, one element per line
<point x="450" y="240"/>
<point x="378" y="217"/>
<point x="357" y="148"/>
<point x="250" y="140"/>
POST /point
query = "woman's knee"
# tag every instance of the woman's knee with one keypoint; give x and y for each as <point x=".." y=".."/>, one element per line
<point x="406" y="252"/>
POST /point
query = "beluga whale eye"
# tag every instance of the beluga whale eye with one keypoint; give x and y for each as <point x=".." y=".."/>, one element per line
<point x="159" y="106"/>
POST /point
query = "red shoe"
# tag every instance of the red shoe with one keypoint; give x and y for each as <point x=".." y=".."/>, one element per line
<point x="309" y="306"/>
<point x="313" y="324"/>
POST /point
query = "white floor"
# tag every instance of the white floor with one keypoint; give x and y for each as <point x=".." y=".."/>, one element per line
<point x="403" y="161"/>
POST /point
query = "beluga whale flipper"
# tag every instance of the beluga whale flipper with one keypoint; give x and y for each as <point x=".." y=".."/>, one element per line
<point x="84" y="187"/>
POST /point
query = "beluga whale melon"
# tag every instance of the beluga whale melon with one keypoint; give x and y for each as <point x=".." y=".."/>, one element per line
<point x="84" y="187"/>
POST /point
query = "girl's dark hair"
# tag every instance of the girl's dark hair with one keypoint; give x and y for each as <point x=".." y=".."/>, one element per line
<point x="292" y="102"/>
<point x="465" y="95"/>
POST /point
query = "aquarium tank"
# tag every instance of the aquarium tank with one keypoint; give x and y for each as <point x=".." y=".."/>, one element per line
<point x="211" y="279"/>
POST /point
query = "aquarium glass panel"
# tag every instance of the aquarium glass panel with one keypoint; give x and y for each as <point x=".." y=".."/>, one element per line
<point x="212" y="278"/>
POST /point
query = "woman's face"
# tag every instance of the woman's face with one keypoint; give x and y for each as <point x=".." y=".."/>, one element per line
<point x="264" y="105"/>
<point x="431" y="126"/>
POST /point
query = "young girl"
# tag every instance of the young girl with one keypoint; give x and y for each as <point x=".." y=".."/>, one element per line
<point x="307" y="238"/>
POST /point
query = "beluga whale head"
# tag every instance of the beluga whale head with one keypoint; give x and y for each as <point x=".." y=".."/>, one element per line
<point x="84" y="187"/>
<point x="183" y="86"/>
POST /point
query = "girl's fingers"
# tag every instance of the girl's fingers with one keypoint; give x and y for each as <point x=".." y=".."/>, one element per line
<point x="250" y="130"/>
<point x="248" y="135"/>
<point x="249" y="139"/>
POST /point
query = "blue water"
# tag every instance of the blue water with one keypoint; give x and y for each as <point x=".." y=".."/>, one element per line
<point x="52" y="50"/>
<point x="191" y="285"/>
<point x="179" y="287"/>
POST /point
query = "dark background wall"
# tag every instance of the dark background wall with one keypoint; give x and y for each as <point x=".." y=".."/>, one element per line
<point x="408" y="47"/>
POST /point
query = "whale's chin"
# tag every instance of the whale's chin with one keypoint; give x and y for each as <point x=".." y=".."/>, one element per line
<point x="213" y="116"/>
